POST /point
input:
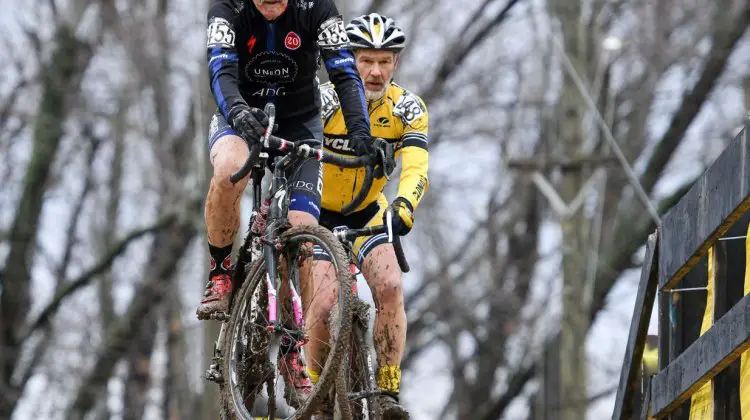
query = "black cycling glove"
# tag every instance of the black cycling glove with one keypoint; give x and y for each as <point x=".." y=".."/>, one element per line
<point x="363" y="146"/>
<point x="250" y="123"/>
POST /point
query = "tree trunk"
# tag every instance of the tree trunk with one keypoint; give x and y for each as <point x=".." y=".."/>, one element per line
<point x="169" y="247"/>
<point x="178" y="398"/>
<point x="61" y="80"/>
<point x="575" y="231"/>
<point x="113" y="205"/>
<point x="139" y="368"/>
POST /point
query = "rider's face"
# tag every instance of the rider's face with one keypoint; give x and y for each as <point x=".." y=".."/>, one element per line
<point x="271" y="9"/>
<point x="375" y="67"/>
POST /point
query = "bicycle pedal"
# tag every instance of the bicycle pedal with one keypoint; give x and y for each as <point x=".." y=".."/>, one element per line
<point x="220" y="316"/>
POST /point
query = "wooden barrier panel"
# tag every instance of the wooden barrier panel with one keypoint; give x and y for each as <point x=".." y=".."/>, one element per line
<point x="717" y="199"/>
<point x="644" y="303"/>
<point x="704" y="359"/>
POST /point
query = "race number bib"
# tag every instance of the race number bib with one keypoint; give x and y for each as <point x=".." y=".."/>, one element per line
<point x="332" y="34"/>
<point x="408" y="108"/>
<point x="220" y="33"/>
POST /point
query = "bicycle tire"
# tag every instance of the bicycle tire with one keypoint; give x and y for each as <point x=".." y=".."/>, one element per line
<point x="340" y="322"/>
<point x="246" y="292"/>
<point x="357" y="378"/>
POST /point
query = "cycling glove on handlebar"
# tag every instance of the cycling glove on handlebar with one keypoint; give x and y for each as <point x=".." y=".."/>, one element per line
<point x="249" y="122"/>
<point x="403" y="216"/>
<point x="363" y="146"/>
<point x="384" y="158"/>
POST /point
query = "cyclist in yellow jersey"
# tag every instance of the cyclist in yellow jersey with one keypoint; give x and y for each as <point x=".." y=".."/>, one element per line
<point x="400" y="117"/>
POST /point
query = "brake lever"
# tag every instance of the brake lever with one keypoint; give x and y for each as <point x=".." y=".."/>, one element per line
<point x="270" y="111"/>
<point x="389" y="224"/>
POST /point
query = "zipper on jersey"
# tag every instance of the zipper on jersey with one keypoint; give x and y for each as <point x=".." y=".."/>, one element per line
<point x="271" y="46"/>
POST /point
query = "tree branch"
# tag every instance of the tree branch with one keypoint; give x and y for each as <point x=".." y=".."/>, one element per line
<point x="516" y="384"/>
<point x="86" y="277"/>
<point x="75" y="218"/>
<point x="630" y="236"/>
<point x="460" y="51"/>
<point x="723" y="45"/>
<point x="166" y="252"/>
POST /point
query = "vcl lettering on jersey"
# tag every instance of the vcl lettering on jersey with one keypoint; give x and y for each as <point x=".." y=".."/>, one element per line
<point x="338" y="144"/>
<point x="420" y="187"/>
<point x="306" y="5"/>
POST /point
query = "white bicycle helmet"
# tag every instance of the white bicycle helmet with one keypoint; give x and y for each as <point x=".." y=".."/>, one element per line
<point x="377" y="32"/>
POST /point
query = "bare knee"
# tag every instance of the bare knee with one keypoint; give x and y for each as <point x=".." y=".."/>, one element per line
<point x="223" y="170"/>
<point x="227" y="157"/>
<point x="389" y="291"/>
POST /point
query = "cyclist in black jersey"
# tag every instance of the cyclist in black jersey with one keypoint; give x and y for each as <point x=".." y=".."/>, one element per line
<point x="260" y="51"/>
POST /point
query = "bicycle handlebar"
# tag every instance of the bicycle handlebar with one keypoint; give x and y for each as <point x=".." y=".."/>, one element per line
<point x="270" y="141"/>
<point x="351" y="234"/>
<point x="304" y="150"/>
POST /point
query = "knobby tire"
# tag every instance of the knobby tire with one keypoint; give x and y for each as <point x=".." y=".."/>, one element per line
<point x="340" y="322"/>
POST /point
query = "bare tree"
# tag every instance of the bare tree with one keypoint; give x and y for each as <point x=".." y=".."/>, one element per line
<point x="59" y="84"/>
<point x="523" y="100"/>
<point x="597" y="243"/>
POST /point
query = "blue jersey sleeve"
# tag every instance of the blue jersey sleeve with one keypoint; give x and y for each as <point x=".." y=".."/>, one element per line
<point x="222" y="56"/>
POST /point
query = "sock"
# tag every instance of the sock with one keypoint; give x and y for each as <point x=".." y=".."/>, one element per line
<point x="314" y="376"/>
<point x="223" y="255"/>
<point x="389" y="378"/>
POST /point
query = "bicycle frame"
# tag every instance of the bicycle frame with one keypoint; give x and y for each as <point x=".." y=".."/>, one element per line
<point x="277" y="213"/>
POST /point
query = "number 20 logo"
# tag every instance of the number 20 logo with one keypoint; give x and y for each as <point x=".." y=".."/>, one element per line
<point x="292" y="41"/>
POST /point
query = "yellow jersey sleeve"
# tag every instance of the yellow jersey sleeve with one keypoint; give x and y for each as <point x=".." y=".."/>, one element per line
<point x="412" y="147"/>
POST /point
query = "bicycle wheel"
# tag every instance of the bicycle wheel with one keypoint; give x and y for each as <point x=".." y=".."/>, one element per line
<point x="248" y="346"/>
<point x="362" y="397"/>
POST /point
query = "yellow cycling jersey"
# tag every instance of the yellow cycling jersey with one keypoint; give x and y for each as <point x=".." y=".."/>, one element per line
<point x="400" y="117"/>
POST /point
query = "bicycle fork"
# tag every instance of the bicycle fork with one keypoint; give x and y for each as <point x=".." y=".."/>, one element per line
<point x="271" y="246"/>
<point x="273" y="325"/>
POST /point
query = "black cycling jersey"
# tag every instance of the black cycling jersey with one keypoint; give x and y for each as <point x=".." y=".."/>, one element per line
<point x="253" y="60"/>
